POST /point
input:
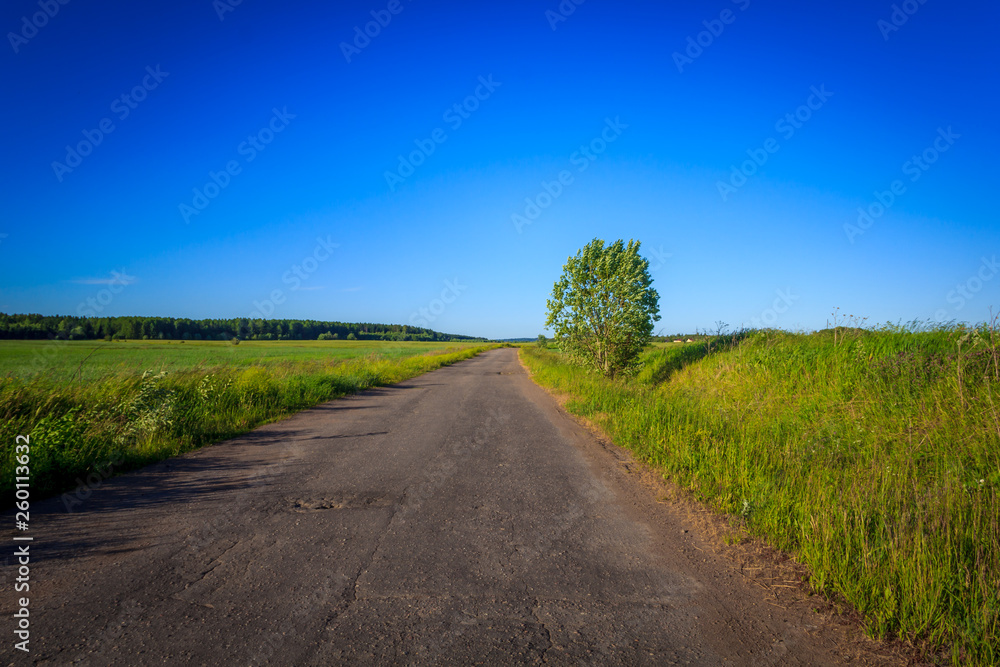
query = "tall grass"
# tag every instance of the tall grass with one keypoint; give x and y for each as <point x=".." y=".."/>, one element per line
<point x="875" y="459"/>
<point x="131" y="420"/>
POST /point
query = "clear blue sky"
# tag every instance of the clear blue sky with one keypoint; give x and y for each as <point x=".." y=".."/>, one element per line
<point x="773" y="250"/>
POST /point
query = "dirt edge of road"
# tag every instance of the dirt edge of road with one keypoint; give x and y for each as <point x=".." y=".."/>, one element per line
<point x="781" y="579"/>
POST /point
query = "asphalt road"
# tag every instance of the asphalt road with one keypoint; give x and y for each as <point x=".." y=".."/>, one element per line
<point x="457" y="518"/>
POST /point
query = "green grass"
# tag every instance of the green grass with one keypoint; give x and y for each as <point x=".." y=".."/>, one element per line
<point x="876" y="460"/>
<point x="91" y="360"/>
<point x="91" y="407"/>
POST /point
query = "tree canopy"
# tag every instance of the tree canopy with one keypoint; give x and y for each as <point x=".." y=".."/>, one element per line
<point x="603" y="306"/>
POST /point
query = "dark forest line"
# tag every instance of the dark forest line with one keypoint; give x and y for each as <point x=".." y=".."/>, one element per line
<point x="67" y="327"/>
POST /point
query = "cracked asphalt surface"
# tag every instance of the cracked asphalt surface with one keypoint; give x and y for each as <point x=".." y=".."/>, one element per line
<point x="460" y="517"/>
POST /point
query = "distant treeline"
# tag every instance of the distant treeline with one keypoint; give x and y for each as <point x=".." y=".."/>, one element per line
<point x="167" y="328"/>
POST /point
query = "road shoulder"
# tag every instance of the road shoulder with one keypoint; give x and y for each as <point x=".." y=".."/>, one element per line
<point x="722" y="551"/>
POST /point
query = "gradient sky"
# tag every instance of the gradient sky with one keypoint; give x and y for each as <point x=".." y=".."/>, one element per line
<point x="773" y="251"/>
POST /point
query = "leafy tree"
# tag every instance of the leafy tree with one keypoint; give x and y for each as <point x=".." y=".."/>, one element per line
<point x="541" y="342"/>
<point x="603" y="306"/>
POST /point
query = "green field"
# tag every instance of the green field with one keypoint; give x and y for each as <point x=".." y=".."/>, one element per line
<point x="92" y="360"/>
<point x="95" y="408"/>
<point x="874" y="459"/>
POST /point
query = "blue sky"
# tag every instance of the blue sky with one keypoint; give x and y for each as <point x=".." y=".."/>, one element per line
<point x="736" y="140"/>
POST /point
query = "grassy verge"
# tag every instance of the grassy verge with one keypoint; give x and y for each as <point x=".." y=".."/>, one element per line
<point x="874" y="457"/>
<point x="122" y="421"/>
